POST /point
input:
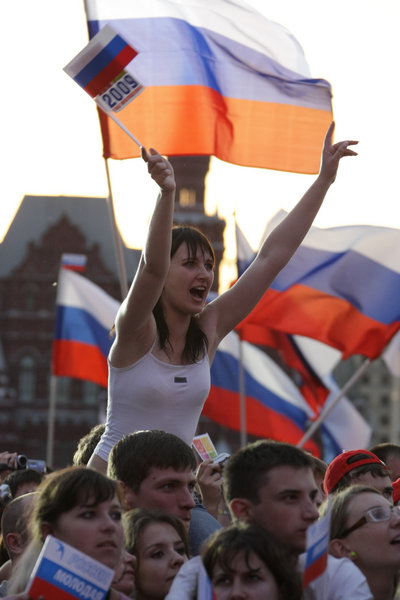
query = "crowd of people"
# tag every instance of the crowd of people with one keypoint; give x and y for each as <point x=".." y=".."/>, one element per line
<point x="148" y="521"/>
<point x="135" y="497"/>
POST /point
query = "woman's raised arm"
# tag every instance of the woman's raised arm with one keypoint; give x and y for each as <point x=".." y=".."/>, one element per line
<point x="134" y="322"/>
<point x="233" y="306"/>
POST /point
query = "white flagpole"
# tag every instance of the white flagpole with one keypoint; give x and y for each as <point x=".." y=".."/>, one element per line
<point x="242" y="398"/>
<point x="118" y="122"/>
<point x="327" y="409"/>
<point x="51" y="420"/>
<point x="123" y="281"/>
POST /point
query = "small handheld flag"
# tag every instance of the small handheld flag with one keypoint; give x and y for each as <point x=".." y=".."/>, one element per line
<point x="100" y="70"/>
<point x="317" y="548"/>
<point x="61" y="571"/>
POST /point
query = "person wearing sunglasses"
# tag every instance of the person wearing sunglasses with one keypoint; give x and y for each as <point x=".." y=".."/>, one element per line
<point x="365" y="528"/>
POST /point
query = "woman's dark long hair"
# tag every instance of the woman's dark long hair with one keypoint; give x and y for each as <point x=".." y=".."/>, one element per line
<point x="196" y="339"/>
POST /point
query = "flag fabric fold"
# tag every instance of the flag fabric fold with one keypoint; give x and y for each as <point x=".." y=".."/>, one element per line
<point x="84" y="317"/>
<point x="341" y="287"/>
<point x="221" y="80"/>
<point x="274" y="406"/>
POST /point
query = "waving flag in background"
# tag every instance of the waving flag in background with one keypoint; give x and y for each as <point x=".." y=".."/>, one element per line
<point x="74" y="262"/>
<point x="274" y="406"/>
<point x="309" y="363"/>
<point x="84" y="317"/>
<point x="220" y="79"/>
<point x="341" y="287"/>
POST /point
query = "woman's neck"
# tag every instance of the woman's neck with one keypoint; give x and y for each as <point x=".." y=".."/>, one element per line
<point x="381" y="582"/>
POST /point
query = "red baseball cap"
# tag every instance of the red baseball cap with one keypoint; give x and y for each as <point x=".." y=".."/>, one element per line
<point x="344" y="463"/>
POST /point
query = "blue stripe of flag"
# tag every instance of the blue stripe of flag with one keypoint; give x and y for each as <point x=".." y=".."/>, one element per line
<point x="224" y="375"/>
<point x="100" y="61"/>
<point x="77" y="325"/>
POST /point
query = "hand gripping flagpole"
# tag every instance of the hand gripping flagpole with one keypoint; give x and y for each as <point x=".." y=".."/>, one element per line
<point x="326" y="411"/>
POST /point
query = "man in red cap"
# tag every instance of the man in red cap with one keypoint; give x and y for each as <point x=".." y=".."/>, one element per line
<point x="358" y="467"/>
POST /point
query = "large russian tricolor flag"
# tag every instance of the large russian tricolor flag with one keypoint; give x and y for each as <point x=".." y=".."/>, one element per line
<point x="84" y="317"/>
<point x="274" y="406"/>
<point x="341" y="287"/>
<point x="221" y="80"/>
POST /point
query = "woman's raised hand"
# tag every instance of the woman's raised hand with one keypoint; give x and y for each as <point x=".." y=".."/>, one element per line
<point x="160" y="169"/>
<point x="332" y="153"/>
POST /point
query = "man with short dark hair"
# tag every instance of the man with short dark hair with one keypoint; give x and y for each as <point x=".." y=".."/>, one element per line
<point x="358" y="467"/>
<point x="271" y="484"/>
<point x="156" y="470"/>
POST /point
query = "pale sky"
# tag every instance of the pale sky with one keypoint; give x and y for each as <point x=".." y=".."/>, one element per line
<point x="51" y="141"/>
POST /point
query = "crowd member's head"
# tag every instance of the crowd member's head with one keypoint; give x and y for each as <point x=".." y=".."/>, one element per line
<point x="389" y="453"/>
<point x="156" y="470"/>
<point x="365" y="527"/>
<point x="15" y="524"/>
<point x="87" y="444"/>
<point x="80" y="507"/>
<point x="358" y="467"/>
<point x="159" y="542"/>
<point x="23" y="481"/>
<point x="243" y="561"/>
<point x="272" y="485"/>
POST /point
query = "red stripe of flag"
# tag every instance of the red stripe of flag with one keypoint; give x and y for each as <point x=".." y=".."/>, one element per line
<point x="110" y="72"/>
<point x="222" y="406"/>
<point x="82" y="361"/>
<point x="315" y="569"/>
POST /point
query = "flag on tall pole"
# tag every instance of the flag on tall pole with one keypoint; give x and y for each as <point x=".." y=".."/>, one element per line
<point x="84" y="317"/>
<point x="220" y="79"/>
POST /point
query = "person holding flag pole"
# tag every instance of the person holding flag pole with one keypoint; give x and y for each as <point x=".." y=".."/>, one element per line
<point x="166" y="335"/>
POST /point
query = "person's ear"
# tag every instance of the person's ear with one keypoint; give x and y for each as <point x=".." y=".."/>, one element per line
<point x="46" y="529"/>
<point x="129" y="498"/>
<point x="14" y="544"/>
<point x="340" y="549"/>
<point x="241" y="508"/>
